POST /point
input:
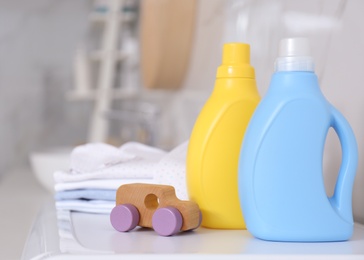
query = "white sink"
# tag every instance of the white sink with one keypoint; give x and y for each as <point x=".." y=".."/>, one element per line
<point x="45" y="163"/>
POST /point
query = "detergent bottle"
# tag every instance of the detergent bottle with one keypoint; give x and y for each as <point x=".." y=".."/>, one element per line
<point x="281" y="185"/>
<point x="214" y="145"/>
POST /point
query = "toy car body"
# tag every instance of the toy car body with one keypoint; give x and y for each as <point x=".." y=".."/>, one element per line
<point x="153" y="206"/>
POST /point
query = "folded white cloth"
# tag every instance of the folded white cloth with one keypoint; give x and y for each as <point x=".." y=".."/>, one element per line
<point x="103" y="167"/>
<point x="107" y="184"/>
<point x="91" y="206"/>
<point x="95" y="156"/>
<point x="171" y="170"/>
<point x="137" y="161"/>
<point x="86" y="194"/>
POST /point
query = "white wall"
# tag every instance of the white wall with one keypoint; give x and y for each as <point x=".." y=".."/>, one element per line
<point x="37" y="42"/>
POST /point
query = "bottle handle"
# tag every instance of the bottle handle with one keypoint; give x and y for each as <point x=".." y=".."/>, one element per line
<point x="342" y="198"/>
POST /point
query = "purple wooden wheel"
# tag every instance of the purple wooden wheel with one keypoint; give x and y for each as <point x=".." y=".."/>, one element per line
<point x="124" y="217"/>
<point x="167" y="221"/>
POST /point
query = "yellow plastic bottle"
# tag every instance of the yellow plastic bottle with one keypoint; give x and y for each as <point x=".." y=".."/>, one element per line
<point x="215" y="142"/>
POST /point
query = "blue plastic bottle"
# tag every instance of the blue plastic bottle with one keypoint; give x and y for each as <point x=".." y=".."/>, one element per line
<point x="281" y="186"/>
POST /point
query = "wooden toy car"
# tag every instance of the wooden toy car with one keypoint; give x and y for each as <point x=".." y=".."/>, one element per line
<point x="153" y="206"/>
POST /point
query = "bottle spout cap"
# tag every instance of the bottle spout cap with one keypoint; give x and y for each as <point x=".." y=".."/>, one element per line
<point x="236" y="53"/>
<point x="294" y="47"/>
<point x="294" y="55"/>
<point x="236" y="62"/>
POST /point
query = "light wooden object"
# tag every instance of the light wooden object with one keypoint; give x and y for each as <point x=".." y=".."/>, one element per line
<point x="147" y="198"/>
<point x="167" y="28"/>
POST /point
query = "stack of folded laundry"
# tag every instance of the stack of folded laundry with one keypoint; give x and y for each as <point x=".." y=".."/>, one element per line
<point x="98" y="169"/>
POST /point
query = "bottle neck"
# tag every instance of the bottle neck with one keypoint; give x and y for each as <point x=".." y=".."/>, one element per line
<point x="235" y="71"/>
<point x="294" y="63"/>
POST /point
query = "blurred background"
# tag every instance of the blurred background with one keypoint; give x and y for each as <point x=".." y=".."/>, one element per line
<point x="78" y="71"/>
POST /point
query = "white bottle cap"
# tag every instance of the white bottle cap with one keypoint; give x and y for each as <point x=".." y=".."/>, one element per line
<point x="294" y="55"/>
<point x="294" y="47"/>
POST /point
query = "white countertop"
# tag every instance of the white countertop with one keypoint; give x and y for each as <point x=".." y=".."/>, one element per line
<point x="90" y="236"/>
<point x="21" y="197"/>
